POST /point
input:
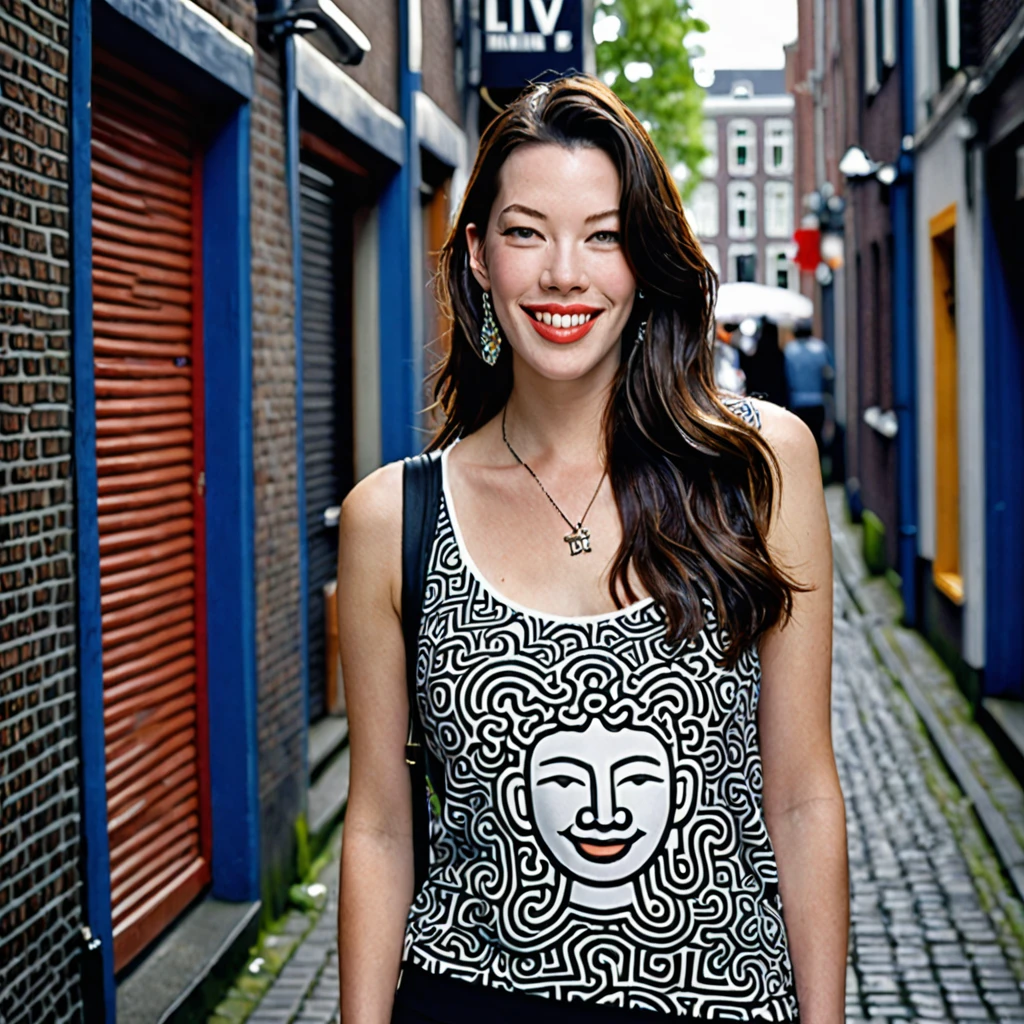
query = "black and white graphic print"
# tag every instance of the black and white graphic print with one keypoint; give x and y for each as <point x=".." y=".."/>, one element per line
<point x="602" y="836"/>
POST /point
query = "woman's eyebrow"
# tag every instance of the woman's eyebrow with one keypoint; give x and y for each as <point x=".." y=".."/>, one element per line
<point x="519" y="208"/>
<point x="601" y="216"/>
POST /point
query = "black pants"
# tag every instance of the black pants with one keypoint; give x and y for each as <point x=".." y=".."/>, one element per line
<point x="425" y="998"/>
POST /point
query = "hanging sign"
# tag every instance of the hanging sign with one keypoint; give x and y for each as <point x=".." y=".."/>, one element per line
<point x="522" y="39"/>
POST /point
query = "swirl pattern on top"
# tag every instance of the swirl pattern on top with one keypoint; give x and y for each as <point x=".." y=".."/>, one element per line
<point x="601" y="836"/>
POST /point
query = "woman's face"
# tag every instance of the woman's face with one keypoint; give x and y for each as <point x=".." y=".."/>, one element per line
<point x="551" y="255"/>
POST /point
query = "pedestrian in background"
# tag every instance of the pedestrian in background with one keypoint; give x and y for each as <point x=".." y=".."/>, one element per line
<point x="809" y="373"/>
<point x="625" y="626"/>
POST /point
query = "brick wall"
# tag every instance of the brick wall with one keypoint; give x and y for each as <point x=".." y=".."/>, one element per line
<point x="280" y="700"/>
<point x="278" y="639"/>
<point x="439" y="57"/>
<point x="378" y="73"/>
<point x="40" y="886"/>
<point x="876" y="456"/>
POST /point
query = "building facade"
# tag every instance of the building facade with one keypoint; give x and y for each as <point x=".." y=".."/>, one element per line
<point x="216" y="243"/>
<point x="742" y="210"/>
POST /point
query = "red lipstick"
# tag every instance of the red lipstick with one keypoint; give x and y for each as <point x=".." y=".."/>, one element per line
<point x="562" y="335"/>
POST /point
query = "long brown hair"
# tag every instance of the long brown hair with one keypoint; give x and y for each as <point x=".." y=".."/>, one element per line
<point x="694" y="483"/>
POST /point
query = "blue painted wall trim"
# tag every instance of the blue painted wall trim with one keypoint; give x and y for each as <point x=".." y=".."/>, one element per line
<point x="230" y="517"/>
<point x="291" y="129"/>
<point x="396" y="399"/>
<point x="90" y="645"/>
<point x="196" y="36"/>
<point x="905" y="331"/>
<point x="230" y="574"/>
<point x="401" y="295"/>
<point x="1004" y="481"/>
<point x="328" y="88"/>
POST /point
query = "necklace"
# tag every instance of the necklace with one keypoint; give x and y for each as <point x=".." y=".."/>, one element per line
<point x="579" y="537"/>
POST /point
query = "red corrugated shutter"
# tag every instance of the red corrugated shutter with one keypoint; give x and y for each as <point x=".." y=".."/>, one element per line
<point x="148" y="446"/>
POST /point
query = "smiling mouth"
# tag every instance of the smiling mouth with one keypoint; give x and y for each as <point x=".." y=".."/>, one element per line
<point x="602" y="851"/>
<point x="561" y="328"/>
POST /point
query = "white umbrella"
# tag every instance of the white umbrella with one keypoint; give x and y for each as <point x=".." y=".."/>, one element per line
<point x="742" y="299"/>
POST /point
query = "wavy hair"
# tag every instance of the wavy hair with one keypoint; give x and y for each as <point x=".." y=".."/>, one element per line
<point x="694" y="483"/>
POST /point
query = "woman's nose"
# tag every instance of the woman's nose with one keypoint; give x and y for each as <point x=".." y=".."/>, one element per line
<point x="565" y="271"/>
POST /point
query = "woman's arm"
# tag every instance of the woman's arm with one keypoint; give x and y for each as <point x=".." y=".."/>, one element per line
<point x="803" y="803"/>
<point x="376" y="854"/>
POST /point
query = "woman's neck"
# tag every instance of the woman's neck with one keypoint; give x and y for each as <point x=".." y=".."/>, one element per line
<point x="558" y="421"/>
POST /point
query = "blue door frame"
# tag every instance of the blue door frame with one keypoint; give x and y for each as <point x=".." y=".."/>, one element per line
<point x="226" y="74"/>
<point x="1004" y="473"/>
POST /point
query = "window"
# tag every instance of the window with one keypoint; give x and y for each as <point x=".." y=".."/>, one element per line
<point x="869" y="11"/>
<point x="742" y="263"/>
<point x="709" y="165"/>
<point x="778" y="209"/>
<point x="703" y="216"/>
<point x="742" y="209"/>
<point x="778" y="146"/>
<point x="742" y="147"/>
<point x="946" y="566"/>
<point x="780" y="270"/>
<point x="711" y="255"/>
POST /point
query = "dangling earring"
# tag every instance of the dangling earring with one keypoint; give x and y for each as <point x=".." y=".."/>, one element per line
<point x="490" y="336"/>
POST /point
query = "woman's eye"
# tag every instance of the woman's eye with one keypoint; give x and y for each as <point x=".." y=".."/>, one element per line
<point x="565" y="781"/>
<point x="520" y="232"/>
<point x="605" y="236"/>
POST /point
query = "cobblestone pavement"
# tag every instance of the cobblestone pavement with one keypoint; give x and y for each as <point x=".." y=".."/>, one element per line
<point x="933" y="934"/>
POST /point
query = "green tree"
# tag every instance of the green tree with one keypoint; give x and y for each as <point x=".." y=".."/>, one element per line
<point x="668" y="100"/>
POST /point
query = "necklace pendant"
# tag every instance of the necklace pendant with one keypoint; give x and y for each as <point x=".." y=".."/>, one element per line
<point x="578" y="540"/>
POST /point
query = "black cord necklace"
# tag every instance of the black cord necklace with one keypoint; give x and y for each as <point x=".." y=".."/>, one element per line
<point x="579" y="537"/>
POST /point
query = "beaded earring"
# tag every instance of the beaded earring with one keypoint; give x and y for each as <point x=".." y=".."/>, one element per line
<point x="490" y="336"/>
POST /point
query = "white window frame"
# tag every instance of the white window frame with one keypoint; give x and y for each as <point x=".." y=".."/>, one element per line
<point x="703" y="213"/>
<point x="778" y="223"/>
<point x="735" y="251"/>
<point x="711" y="255"/>
<point x="709" y="165"/>
<point x="773" y="254"/>
<point x="748" y="190"/>
<point x="749" y="140"/>
<point x="952" y="34"/>
<point x="771" y="126"/>
<point x="869" y="12"/>
<point x="889" y="33"/>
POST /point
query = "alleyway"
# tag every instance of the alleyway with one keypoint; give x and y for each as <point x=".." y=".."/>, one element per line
<point x="930" y="937"/>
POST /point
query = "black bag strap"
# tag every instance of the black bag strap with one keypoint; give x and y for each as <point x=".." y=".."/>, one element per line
<point x="421" y="496"/>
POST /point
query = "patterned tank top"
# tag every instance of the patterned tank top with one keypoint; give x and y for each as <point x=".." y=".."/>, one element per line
<point x="601" y="836"/>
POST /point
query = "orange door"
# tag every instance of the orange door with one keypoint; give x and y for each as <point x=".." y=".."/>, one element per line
<point x="147" y="342"/>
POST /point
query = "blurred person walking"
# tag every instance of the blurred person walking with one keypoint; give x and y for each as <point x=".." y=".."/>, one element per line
<point x="809" y="372"/>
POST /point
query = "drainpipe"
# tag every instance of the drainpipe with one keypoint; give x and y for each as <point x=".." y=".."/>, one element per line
<point x="410" y="83"/>
<point x="905" y="326"/>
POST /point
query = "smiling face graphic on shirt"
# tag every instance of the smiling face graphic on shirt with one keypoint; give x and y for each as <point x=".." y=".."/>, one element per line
<point x="601" y="800"/>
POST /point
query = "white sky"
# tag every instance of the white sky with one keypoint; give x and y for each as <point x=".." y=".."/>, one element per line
<point x="744" y="33"/>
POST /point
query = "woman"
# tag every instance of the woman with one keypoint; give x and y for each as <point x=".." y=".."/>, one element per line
<point x="612" y="643"/>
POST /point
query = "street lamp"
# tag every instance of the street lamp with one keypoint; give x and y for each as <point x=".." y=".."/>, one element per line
<point x="856" y="164"/>
<point x="330" y="30"/>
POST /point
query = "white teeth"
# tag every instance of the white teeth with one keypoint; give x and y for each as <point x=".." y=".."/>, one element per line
<point x="574" y="320"/>
<point x="586" y="318"/>
<point x="556" y="319"/>
<point x="547" y="318"/>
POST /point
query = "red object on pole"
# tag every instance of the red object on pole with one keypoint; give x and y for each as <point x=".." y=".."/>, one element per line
<point x="808" y="254"/>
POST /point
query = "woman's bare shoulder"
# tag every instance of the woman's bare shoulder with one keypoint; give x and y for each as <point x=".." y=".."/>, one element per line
<point x="376" y="501"/>
<point x="370" y="532"/>
<point x="788" y="435"/>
